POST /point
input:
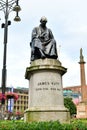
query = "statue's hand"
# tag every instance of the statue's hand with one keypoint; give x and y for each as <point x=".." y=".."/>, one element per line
<point x="43" y="47"/>
<point x="46" y="42"/>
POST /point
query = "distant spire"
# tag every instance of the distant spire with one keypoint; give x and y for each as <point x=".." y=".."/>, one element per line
<point x="81" y="57"/>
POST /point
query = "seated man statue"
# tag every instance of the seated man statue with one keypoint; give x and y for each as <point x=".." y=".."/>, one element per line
<point x="43" y="44"/>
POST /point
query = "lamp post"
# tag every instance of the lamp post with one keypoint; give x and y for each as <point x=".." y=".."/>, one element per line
<point x="7" y="6"/>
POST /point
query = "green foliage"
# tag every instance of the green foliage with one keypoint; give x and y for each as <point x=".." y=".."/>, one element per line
<point x="15" y="125"/>
<point x="80" y="124"/>
<point x="51" y="125"/>
<point x="68" y="103"/>
<point x="68" y="127"/>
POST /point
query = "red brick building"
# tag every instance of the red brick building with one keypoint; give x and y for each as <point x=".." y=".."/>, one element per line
<point x="73" y="88"/>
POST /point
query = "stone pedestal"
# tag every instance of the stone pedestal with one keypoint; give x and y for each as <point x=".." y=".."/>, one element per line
<point x="82" y="110"/>
<point x="46" y="91"/>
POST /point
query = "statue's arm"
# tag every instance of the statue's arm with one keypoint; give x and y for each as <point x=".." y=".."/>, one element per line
<point x="34" y="33"/>
<point x="51" y="34"/>
<point x="50" y="37"/>
<point x="33" y="36"/>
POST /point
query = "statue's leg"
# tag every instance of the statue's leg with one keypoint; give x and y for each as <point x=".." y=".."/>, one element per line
<point x="32" y="56"/>
<point x="42" y="54"/>
<point x="53" y="51"/>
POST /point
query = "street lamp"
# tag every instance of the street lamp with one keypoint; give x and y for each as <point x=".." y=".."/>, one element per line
<point x="7" y="6"/>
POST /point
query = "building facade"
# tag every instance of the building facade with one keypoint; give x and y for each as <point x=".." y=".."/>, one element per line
<point x="19" y="105"/>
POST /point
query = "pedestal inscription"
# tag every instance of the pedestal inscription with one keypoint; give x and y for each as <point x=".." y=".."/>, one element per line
<point x="46" y="89"/>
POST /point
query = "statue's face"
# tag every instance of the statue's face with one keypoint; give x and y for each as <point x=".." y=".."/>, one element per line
<point x="43" y="23"/>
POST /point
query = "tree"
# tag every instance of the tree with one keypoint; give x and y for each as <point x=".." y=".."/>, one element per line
<point x="68" y="103"/>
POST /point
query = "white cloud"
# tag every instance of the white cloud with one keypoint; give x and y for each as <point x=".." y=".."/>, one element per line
<point x="72" y="76"/>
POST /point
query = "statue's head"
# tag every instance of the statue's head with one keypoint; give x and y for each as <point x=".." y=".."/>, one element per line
<point x="43" y="19"/>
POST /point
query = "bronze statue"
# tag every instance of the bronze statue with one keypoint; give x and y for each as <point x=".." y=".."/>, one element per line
<point x="43" y="44"/>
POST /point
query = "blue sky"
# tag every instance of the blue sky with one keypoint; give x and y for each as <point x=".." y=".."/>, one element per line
<point x="68" y="22"/>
